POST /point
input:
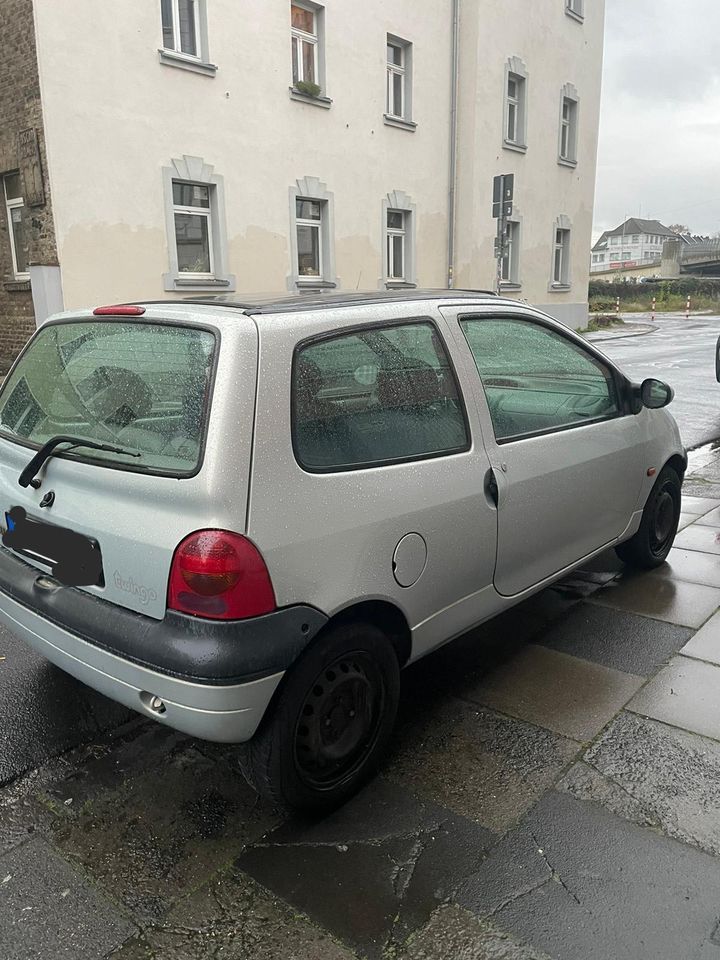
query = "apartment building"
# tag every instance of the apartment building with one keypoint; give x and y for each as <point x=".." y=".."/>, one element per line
<point x="631" y="244"/>
<point x="202" y="147"/>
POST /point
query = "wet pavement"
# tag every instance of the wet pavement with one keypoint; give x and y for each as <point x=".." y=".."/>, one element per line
<point x="681" y="352"/>
<point x="553" y="793"/>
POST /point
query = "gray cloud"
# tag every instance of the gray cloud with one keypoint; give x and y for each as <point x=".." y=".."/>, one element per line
<point x="659" y="146"/>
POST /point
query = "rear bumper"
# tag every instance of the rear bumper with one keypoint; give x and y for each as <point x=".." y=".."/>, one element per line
<point x="214" y="678"/>
<point x="227" y="713"/>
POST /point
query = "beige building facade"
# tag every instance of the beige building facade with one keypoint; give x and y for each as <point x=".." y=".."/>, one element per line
<point x="213" y="146"/>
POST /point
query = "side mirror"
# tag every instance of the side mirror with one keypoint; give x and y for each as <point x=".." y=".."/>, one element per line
<point x="655" y="394"/>
<point x="717" y="360"/>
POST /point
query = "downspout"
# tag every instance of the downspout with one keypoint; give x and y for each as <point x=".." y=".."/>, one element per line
<point x="453" y="142"/>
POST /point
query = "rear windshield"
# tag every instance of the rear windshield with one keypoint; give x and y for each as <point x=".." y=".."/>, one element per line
<point x="143" y="387"/>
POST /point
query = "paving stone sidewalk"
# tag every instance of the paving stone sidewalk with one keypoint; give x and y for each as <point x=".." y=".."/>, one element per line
<point x="553" y="793"/>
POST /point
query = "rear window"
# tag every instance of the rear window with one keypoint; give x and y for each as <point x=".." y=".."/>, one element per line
<point x="381" y="395"/>
<point x="143" y="387"/>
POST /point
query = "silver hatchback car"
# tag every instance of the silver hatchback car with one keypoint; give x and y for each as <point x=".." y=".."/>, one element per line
<point x="243" y="518"/>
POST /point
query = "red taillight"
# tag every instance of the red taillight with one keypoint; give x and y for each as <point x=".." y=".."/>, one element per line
<point x="220" y="575"/>
<point x="119" y="310"/>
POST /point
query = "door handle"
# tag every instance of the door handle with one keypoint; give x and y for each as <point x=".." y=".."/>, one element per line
<point x="491" y="487"/>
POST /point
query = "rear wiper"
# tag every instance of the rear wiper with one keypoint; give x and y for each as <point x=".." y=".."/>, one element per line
<point x="28" y="476"/>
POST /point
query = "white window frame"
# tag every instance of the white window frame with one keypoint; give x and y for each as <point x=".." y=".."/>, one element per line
<point x="194" y="170"/>
<point x="10" y="205"/>
<point x="568" y="132"/>
<point x="398" y="201"/>
<point x="561" y="280"/>
<point x="390" y="234"/>
<point x="297" y="38"/>
<point x="515" y="70"/>
<point x="206" y="213"/>
<point x="173" y="56"/>
<point x="575" y="9"/>
<point x="311" y="188"/>
<point x="405" y="70"/>
<point x="316" y="225"/>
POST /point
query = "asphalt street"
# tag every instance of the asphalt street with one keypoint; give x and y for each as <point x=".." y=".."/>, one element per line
<point x="681" y="352"/>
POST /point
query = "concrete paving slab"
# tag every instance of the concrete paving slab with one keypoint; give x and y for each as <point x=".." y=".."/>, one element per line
<point x="455" y="934"/>
<point x="698" y="505"/>
<point x="675" y="601"/>
<point x="582" y="884"/>
<point x="705" y="645"/>
<point x="692" y="566"/>
<point x="233" y="918"/>
<point x="685" y="520"/>
<point x="655" y="775"/>
<point x="696" y="537"/>
<point x="573" y="697"/>
<point x="711" y="519"/>
<point x="684" y="694"/>
<point x="477" y="763"/>
<point x="157" y="819"/>
<point x="49" y="912"/>
<point x="623" y="641"/>
<point x="373" y="872"/>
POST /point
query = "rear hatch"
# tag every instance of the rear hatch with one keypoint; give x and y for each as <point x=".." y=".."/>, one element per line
<point x="144" y="387"/>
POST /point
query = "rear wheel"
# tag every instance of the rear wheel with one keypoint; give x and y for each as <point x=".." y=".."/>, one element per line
<point x="651" y="544"/>
<point x="331" y="724"/>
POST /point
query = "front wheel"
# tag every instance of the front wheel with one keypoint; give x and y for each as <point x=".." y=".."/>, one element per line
<point x="651" y="544"/>
<point x="331" y="723"/>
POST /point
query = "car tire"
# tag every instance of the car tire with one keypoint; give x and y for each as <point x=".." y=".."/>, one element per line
<point x="651" y="544"/>
<point x="331" y="723"/>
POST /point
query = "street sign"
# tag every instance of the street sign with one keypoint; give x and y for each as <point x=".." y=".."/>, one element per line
<point x="503" y="190"/>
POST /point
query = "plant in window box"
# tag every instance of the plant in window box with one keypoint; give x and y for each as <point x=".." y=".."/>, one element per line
<point x="307" y="87"/>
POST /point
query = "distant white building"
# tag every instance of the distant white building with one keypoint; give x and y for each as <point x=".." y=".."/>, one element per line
<point x="634" y="243"/>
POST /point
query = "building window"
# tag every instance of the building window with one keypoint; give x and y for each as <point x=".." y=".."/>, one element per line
<point x="306" y="43"/>
<point x="398" y="99"/>
<point x="567" y="152"/>
<point x="511" y="258"/>
<point x="195" y="223"/>
<point x="313" y="262"/>
<point x="575" y="8"/>
<point x="398" y="212"/>
<point x="184" y="32"/>
<point x="16" y="220"/>
<point x="515" y="105"/>
<point x="561" y="254"/>
<point x="308" y="223"/>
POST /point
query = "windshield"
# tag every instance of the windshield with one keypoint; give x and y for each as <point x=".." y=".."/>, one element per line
<point x="141" y="386"/>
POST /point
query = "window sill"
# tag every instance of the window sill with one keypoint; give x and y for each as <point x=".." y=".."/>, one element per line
<point x="400" y="285"/>
<point x="566" y="162"/>
<point x="178" y="282"/>
<point x="517" y="147"/>
<point x="574" y="15"/>
<point x="399" y="122"/>
<point x="559" y="287"/>
<point x="319" y="101"/>
<point x="510" y="286"/>
<point x="172" y="59"/>
<point x="314" y="284"/>
<point x="16" y="285"/>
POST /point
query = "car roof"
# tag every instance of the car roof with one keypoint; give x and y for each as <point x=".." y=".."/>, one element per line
<point x="297" y="303"/>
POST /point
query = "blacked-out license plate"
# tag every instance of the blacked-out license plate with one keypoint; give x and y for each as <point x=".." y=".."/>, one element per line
<point x="73" y="558"/>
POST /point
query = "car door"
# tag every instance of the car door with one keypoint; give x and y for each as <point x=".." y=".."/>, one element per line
<point x="567" y="457"/>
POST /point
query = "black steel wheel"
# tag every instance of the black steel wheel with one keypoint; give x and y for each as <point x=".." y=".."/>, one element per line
<point x="653" y="541"/>
<point x="331" y="723"/>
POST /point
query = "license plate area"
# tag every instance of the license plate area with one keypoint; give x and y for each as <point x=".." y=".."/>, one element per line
<point x="72" y="558"/>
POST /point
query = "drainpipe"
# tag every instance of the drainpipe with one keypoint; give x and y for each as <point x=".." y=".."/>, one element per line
<point x="453" y="142"/>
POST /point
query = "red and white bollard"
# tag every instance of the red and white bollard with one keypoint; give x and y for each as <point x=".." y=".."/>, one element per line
<point x="653" y="309"/>
<point x="687" y="308"/>
<point x="617" y="307"/>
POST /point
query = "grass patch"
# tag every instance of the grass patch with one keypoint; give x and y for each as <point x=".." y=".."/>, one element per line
<point x="601" y="321"/>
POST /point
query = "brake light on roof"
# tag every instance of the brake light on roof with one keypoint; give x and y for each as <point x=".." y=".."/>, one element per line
<point x="119" y="310"/>
<point x="220" y="575"/>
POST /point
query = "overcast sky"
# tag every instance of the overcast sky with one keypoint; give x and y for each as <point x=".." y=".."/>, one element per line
<point x="659" y="151"/>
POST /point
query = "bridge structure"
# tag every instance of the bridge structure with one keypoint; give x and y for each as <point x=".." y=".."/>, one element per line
<point x="678" y="258"/>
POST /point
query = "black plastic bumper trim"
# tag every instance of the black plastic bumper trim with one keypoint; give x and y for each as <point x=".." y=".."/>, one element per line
<point x="220" y="652"/>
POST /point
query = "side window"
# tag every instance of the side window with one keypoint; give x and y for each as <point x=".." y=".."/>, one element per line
<point x="536" y="380"/>
<point x="379" y="395"/>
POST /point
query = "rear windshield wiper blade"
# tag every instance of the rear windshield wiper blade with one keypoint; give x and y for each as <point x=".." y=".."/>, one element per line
<point x="28" y="476"/>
